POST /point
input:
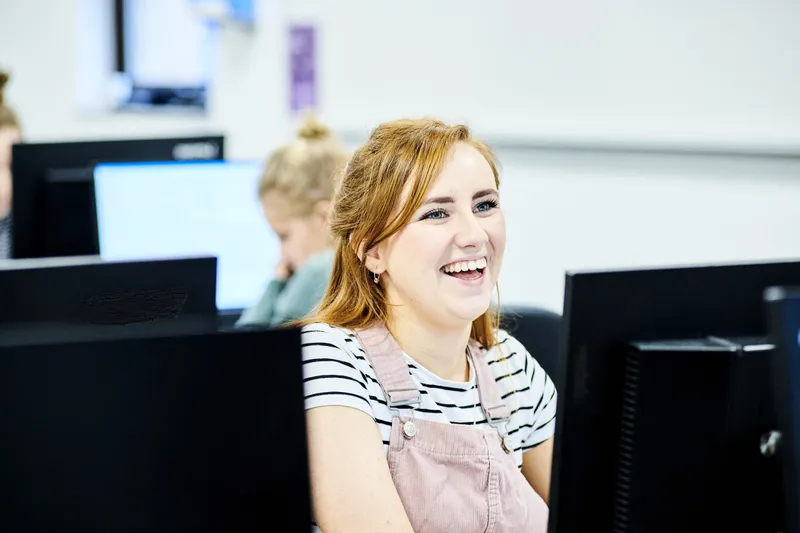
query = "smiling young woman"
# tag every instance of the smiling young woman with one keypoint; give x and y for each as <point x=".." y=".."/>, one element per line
<point x="422" y="414"/>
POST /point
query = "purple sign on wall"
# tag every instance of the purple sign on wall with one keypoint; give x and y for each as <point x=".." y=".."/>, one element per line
<point x="302" y="50"/>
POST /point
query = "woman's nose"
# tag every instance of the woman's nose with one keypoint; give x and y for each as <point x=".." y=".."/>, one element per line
<point x="470" y="233"/>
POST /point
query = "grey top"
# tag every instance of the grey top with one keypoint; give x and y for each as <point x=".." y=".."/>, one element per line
<point x="5" y="238"/>
<point x="294" y="298"/>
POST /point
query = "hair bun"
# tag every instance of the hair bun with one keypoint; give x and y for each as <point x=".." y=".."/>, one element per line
<point x="312" y="130"/>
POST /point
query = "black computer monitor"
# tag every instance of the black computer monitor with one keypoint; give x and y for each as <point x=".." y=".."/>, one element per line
<point x="32" y="161"/>
<point x="87" y="290"/>
<point x="604" y="313"/>
<point x="784" y="319"/>
<point x="68" y="223"/>
<point x="157" y="433"/>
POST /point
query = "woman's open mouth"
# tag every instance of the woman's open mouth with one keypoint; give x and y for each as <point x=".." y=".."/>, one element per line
<point x="468" y="270"/>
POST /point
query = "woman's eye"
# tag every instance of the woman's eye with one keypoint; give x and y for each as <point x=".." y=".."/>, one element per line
<point x="488" y="205"/>
<point x="436" y="214"/>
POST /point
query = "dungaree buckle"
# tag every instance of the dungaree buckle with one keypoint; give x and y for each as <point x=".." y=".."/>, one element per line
<point x="413" y="401"/>
<point x="501" y="425"/>
<point x="495" y="422"/>
<point x="404" y="403"/>
<point x="409" y="428"/>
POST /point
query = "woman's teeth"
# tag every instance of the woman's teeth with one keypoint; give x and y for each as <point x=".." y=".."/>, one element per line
<point x="464" y="266"/>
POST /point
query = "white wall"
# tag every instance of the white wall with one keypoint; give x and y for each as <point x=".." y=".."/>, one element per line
<point x="610" y="71"/>
<point x="616" y="71"/>
<point x="575" y="211"/>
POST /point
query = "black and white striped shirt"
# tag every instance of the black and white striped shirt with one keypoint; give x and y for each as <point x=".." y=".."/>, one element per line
<point x="336" y="372"/>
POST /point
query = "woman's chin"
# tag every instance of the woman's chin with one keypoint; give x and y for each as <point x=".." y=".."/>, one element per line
<point x="470" y="309"/>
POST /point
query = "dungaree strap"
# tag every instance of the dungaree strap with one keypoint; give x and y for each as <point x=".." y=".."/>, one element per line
<point x="390" y="366"/>
<point x="493" y="406"/>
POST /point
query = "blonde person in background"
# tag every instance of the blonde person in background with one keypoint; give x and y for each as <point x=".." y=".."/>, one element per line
<point x="10" y="133"/>
<point x="422" y="415"/>
<point x="295" y="190"/>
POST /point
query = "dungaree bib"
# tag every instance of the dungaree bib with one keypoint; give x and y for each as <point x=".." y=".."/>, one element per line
<point x="452" y="478"/>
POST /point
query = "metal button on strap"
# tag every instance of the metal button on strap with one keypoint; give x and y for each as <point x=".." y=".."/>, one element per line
<point x="507" y="444"/>
<point x="409" y="429"/>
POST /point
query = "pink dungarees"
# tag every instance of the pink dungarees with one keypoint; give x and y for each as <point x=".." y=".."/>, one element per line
<point x="452" y="478"/>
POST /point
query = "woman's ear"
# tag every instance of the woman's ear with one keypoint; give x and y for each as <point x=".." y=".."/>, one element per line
<point x="371" y="258"/>
<point x="373" y="261"/>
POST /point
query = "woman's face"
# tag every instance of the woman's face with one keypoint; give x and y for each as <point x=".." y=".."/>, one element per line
<point x="300" y="236"/>
<point x="443" y="266"/>
<point x="8" y="137"/>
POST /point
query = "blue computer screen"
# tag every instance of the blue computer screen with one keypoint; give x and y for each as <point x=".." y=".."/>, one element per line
<point x="175" y="209"/>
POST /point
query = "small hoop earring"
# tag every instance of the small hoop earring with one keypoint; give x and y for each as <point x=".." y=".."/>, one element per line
<point x="376" y="277"/>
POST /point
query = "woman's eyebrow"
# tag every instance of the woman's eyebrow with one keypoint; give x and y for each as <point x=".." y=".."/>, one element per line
<point x="483" y="193"/>
<point x="451" y="200"/>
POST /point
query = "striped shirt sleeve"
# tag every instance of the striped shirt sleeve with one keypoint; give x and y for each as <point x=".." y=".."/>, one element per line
<point x="544" y="395"/>
<point x="331" y="374"/>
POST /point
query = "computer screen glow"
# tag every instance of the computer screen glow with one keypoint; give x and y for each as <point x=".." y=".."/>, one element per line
<point x="174" y="209"/>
